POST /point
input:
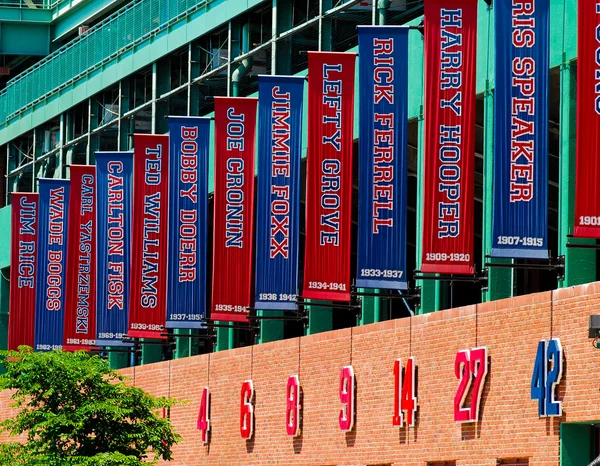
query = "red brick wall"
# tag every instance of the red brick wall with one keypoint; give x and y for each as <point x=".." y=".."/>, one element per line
<point x="509" y="425"/>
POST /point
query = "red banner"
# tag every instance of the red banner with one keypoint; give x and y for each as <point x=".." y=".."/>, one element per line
<point x="329" y="176"/>
<point x="80" y="310"/>
<point x="21" y="317"/>
<point x="587" y="189"/>
<point x="450" y="66"/>
<point x="235" y="132"/>
<point x="148" y="301"/>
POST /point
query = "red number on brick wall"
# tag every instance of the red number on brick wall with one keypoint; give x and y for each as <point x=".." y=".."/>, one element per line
<point x="405" y="397"/>
<point x="469" y="364"/>
<point x="346" y="417"/>
<point x="247" y="410"/>
<point x="204" y="415"/>
<point x="292" y="408"/>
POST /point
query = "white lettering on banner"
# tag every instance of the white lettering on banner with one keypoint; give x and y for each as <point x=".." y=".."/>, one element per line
<point x="84" y="269"/>
<point x="234" y="217"/>
<point x="188" y="178"/>
<point x="55" y="258"/>
<point x="27" y="249"/>
<point x="116" y="229"/>
<point x="597" y="61"/>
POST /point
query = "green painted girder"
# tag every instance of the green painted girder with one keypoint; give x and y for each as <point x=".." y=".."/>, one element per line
<point x="69" y="15"/>
<point x="25" y="15"/>
<point x="24" y="39"/>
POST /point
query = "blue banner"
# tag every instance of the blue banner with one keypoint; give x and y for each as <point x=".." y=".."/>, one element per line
<point x="52" y="261"/>
<point x="382" y="178"/>
<point x="520" y="207"/>
<point x="114" y="181"/>
<point x="188" y="221"/>
<point x="278" y="204"/>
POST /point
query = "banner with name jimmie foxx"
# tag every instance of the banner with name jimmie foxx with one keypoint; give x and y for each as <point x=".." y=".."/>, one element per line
<point x="329" y="176"/>
<point x="235" y="132"/>
<point x="520" y="199"/>
<point x="450" y="56"/>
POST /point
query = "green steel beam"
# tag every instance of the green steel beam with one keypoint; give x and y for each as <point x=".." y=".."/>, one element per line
<point x="25" y="15"/>
<point x="576" y="444"/>
<point x="68" y="16"/>
<point x="24" y="39"/>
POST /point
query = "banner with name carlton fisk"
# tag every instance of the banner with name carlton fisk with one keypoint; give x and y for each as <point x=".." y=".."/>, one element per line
<point x="450" y="63"/>
<point x="114" y="191"/>
<point x="520" y="214"/>
<point x="51" y="260"/>
<point x="587" y="187"/>
<point x="329" y="175"/>
<point x="23" y="271"/>
<point x="80" y="312"/>
<point x="278" y="207"/>
<point x="383" y="172"/>
<point x="147" y="298"/>
<point x="235" y="131"/>
<point x="188" y="221"/>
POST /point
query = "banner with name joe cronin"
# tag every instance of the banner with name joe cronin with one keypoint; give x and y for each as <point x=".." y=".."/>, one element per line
<point x="80" y="312"/>
<point x="278" y="206"/>
<point x="383" y="164"/>
<point x="450" y="65"/>
<point x="188" y="221"/>
<point x="147" y="299"/>
<point x="52" y="261"/>
<point x="587" y="188"/>
<point x="23" y="270"/>
<point x="520" y="214"/>
<point x="235" y="131"/>
<point x="114" y="191"/>
<point x="329" y="176"/>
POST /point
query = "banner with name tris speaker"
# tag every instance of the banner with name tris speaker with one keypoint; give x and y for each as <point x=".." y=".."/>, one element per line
<point x="587" y="188"/>
<point x="52" y="261"/>
<point x="278" y="206"/>
<point x="114" y="182"/>
<point x="383" y="172"/>
<point x="329" y="176"/>
<point x="450" y="65"/>
<point x="148" y="300"/>
<point x="520" y="213"/>
<point x="23" y="270"/>
<point x="235" y="132"/>
<point x="188" y="221"/>
<point x="80" y="312"/>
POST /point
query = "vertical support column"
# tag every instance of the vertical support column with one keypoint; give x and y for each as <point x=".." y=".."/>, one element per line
<point x="325" y="37"/>
<point x="283" y="60"/>
<point x="580" y="264"/>
<point x="60" y="169"/>
<point x="4" y="295"/>
<point x="68" y="135"/>
<point x="194" y="72"/>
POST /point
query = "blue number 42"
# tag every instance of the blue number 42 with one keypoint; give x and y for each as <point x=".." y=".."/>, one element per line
<point x="547" y="373"/>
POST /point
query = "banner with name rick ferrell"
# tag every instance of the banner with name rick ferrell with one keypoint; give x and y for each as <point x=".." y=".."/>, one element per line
<point x="148" y="300"/>
<point x="383" y="164"/>
<point x="278" y="207"/>
<point x="52" y="261"/>
<point x="80" y="312"/>
<point x="450" y="64"/>
<point x="587" y="187"/>
<point x="188" y="221"/>
<point x="23" y="270"/>
<point x="235" y="131"/>
<point x="114" y="182"/>
<point x="329" y="176"/>
<point x="520" y="213"/>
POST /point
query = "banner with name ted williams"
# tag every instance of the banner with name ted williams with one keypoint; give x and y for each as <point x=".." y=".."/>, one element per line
<point x="520" y="213"/>
<point x="278" y="207"/>
<point x="449" y="172"/>
<point x="329" y="176"/>
<point x="52" y="261"/>
<point x="188" y="221"/>
<point x="235" y="132"/>
<point x="80" y="312"/>
<point x="114" y="184"/>
<point x="23" y="270"/>
<point x="383" y="164"/>
<point x="147" y="299"/>
<point x="587" y="188"/>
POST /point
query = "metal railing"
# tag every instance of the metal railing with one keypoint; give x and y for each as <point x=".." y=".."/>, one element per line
<point x="33" y="4"/>
<point x="106" y="41"/>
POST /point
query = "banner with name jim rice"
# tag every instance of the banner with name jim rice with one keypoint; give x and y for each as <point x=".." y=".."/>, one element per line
<point x="235" y="132"/>
<point x="450" y="65"/>
<point x="52" y="261"/>
<point x="520" y="213"/>
<point x="188" y="221"/>
<point x="587" y="188"/>
<point x="147" y="299"/>
<point x="278" y="207"/>
<point x="329" y="176"/>
<point x="383" y="164"/>
<point x="114" y="191"/>
<point x="23" y="270"/>
<point x="80" y="312"/>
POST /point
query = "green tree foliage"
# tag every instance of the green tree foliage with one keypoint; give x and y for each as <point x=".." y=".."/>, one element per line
<point x="77" y="411"/>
